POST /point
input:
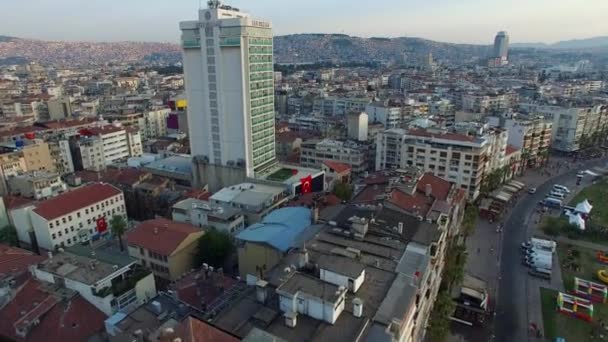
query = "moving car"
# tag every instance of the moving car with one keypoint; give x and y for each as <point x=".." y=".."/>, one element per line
<point x="532" y="191"/>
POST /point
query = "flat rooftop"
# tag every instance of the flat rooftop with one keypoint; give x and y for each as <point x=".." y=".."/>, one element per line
<point x="306" y="284"/>
<point x="77" y="268"/>
<point x="229" y="194"/>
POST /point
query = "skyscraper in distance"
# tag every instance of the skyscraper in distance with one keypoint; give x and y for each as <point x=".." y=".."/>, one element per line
<point x="228" y="68"/>
<point x="501" y="45"/>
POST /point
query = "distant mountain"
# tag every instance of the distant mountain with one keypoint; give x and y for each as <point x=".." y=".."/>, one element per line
<point x="83" y="53"/>
<point x="306" y="48"/>
<point x="588" y="43"/>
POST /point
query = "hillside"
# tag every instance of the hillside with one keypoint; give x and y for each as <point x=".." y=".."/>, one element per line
<point x="303" y="48"/>
<point x="77" y="53"/>
<point x="587" y="43"/>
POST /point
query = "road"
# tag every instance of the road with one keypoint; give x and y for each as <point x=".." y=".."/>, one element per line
<point x="511" y="321"/>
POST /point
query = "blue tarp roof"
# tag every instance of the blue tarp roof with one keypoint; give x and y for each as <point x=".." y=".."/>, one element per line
<point x="280" y="229"/>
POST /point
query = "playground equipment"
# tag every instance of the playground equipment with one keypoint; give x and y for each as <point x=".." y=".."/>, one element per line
<point x="595" y="292"/>
<point x="601" y="257"/>
<point x="603" y="275"/>
<point x="574" y="306"/>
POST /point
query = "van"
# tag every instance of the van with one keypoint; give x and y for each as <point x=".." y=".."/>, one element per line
<point x="552" y="202"/>
<point x="557" y="194"/>
<point x="561" y="188"/>
<point x="540" y="273"/>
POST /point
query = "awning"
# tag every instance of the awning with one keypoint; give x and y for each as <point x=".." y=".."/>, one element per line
<point x="578" y="221"/>
<point x="510" y="189"/>
<point x="517" y="184"/>
<point x="583" y="207"/>
<point x="501" y="196"/>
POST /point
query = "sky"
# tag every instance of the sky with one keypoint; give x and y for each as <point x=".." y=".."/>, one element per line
<point x="458" y="21"/>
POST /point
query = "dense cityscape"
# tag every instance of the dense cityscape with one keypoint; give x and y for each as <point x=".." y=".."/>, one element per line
<point x="242" y="186"/>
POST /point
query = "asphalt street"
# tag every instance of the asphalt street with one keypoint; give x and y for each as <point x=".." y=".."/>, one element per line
<point x="511" y="320"/>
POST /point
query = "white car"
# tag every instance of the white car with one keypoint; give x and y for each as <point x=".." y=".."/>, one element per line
<point x="532" y="191"/>
<point x="561" y="188"/>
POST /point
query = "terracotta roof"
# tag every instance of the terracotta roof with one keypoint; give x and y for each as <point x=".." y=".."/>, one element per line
<point x="12" y="202"/>
<point x="107" y="129"/>
<point x="71" y="320"/>
<point x="440" y="188"/>
<point x="511" y="149"/>
<point x="16" y="260"/>
<point x="20" y="131"/>
<point x="76" y="199"/>
<point x="412" y="203"/>
<point x="198" y="194"/>
<point x="161" y="235"/>
<point x="57" y="124"/>
<point x="195" y="330"/>
<point x="198" y="289"/>
<point x="337" y="166"/>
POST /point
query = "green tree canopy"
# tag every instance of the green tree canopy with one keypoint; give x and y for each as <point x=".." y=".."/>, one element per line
<point x="213" y="248"/>
<point x="118" y="225"/>
<point x="343" y="191"/>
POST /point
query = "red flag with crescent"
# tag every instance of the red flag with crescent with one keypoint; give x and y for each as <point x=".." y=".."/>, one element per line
<point x="102" y="225"/>
<point x="306" y="186"/>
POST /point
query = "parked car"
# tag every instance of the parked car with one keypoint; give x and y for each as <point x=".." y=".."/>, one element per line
<point x="561" y="188"/>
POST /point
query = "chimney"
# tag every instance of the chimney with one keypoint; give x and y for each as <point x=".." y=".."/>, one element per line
<point x="315" y="214"/>
<point x="261" y="292"/>
<point x="357" y="307"/>
<point x="428" y="190"/>
<point x="302" y="258"/>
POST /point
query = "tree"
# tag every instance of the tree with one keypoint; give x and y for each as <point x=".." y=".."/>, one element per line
<point x="8" y="235"/>
<point x="469" y="220"/>
<point x="343" y="191"/>
<point x="118" y="226"/>
<point x="439" y="320"/>
<point x="213" y="248"/>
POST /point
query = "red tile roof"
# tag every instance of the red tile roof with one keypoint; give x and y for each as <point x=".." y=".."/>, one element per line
<point x="58" y="124"/>
<point x="76" y="199"/>
<point x="511" y="149"/>
<point x="417" y="203"/>
<point x="161" y="235"/>
<point x="107" y="129"/>
<point x="337" y="166"/>
<point x="197" y="288"/>
<point x="74" y="320"/>
<point x="440" y="188"/>
<point x="12" y="202"/>
<point x="200" y="194"/>
<point x="16" y="260"/>
<point x="195" y="330"/>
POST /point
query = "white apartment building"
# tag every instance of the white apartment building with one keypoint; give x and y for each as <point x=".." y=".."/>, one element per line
<point x="458" y="158"/>
<point x="315" y="152"/>
<point x="222" y="217"/>
<point x="71" y="217"/>
<point x="61" y="154"/>
<point x="339" y="106"/>
<point x="531" y="136"/>
<point x="357" y="126"/>
<point x="570" y="122"/>
<point x="109" y="286"/>
<point x="484" y="103"/>
<point x="389" y="116"/>
<point x="154" y="123"/>
<point x="107" y="144"/>
<point x="228" y="68"/>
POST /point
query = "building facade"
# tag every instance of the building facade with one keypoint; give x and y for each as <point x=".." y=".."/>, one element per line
<point x="228" y="68"/>
<point x="314" y="153"/>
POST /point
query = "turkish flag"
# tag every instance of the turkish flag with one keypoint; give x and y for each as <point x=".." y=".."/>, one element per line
<point x="102" y="225"/>
<point x="306" y="184"/>
<point x="30" y="135"/>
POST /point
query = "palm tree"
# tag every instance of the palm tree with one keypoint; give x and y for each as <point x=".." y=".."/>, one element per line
<point x="118" y="226"/>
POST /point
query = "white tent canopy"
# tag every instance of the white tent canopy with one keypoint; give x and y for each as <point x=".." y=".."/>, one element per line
<point x="584" y="207"/>
<point x="578" y="221"/>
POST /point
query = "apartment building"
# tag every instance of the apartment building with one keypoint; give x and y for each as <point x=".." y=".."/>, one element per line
<point x="108" y="281"/>
<point x="489" y="102"/>
<point x="382" y="112"/>
<point x="532" y="137"/>
<point x="462" y="159"/>
<point x="199" y="213"/>
<point x="61" y="155"/>
<point x="37" y="156"/>
<point x="573" y="121"/>
<point x="154" y="124"/>
<point x="71" y="217"/>
<point x="36" y="184"/>
<point x="166" y="247"/>
<point x="98" y="147"/>
<point x="339" y="106"/>
<point x="315" y="152"/>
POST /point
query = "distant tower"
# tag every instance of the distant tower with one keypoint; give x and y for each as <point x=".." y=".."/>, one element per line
<point x="501" y="45"/>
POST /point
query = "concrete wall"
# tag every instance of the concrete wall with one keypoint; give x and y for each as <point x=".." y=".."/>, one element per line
<point x="182" y="260"/>
<point x="342" y="280"/>
<point x="145" y="289"/>
<point x="216" y="176"/>
<point x="20" y="218"/>
<point x="251" y="255"/>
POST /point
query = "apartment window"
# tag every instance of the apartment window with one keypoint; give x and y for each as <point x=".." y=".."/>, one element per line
<point x="141" y="251"/>
<point x="78" y="214"/>
<point x="51" y="225"/>
<point x="443" y="154"/>
<point x="57" y="222"/>
<point x="88" y="221"/>
<point x="455" y="155"/>
<point x="86" y="211"/>
<point x="59" y="234"/>
<point x="80" y="225"/>
<point x="71" y="228"/>
<point x="66" y="231"/>
<point x="468" y="157"/>
<point x="69" y="241"/>
<point x="97" y="207"/>
<point x="63" y="220"/>
<point x="53" y="236"/>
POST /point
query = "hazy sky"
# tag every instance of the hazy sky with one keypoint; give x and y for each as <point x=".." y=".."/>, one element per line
<point x="471" y="21"/>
